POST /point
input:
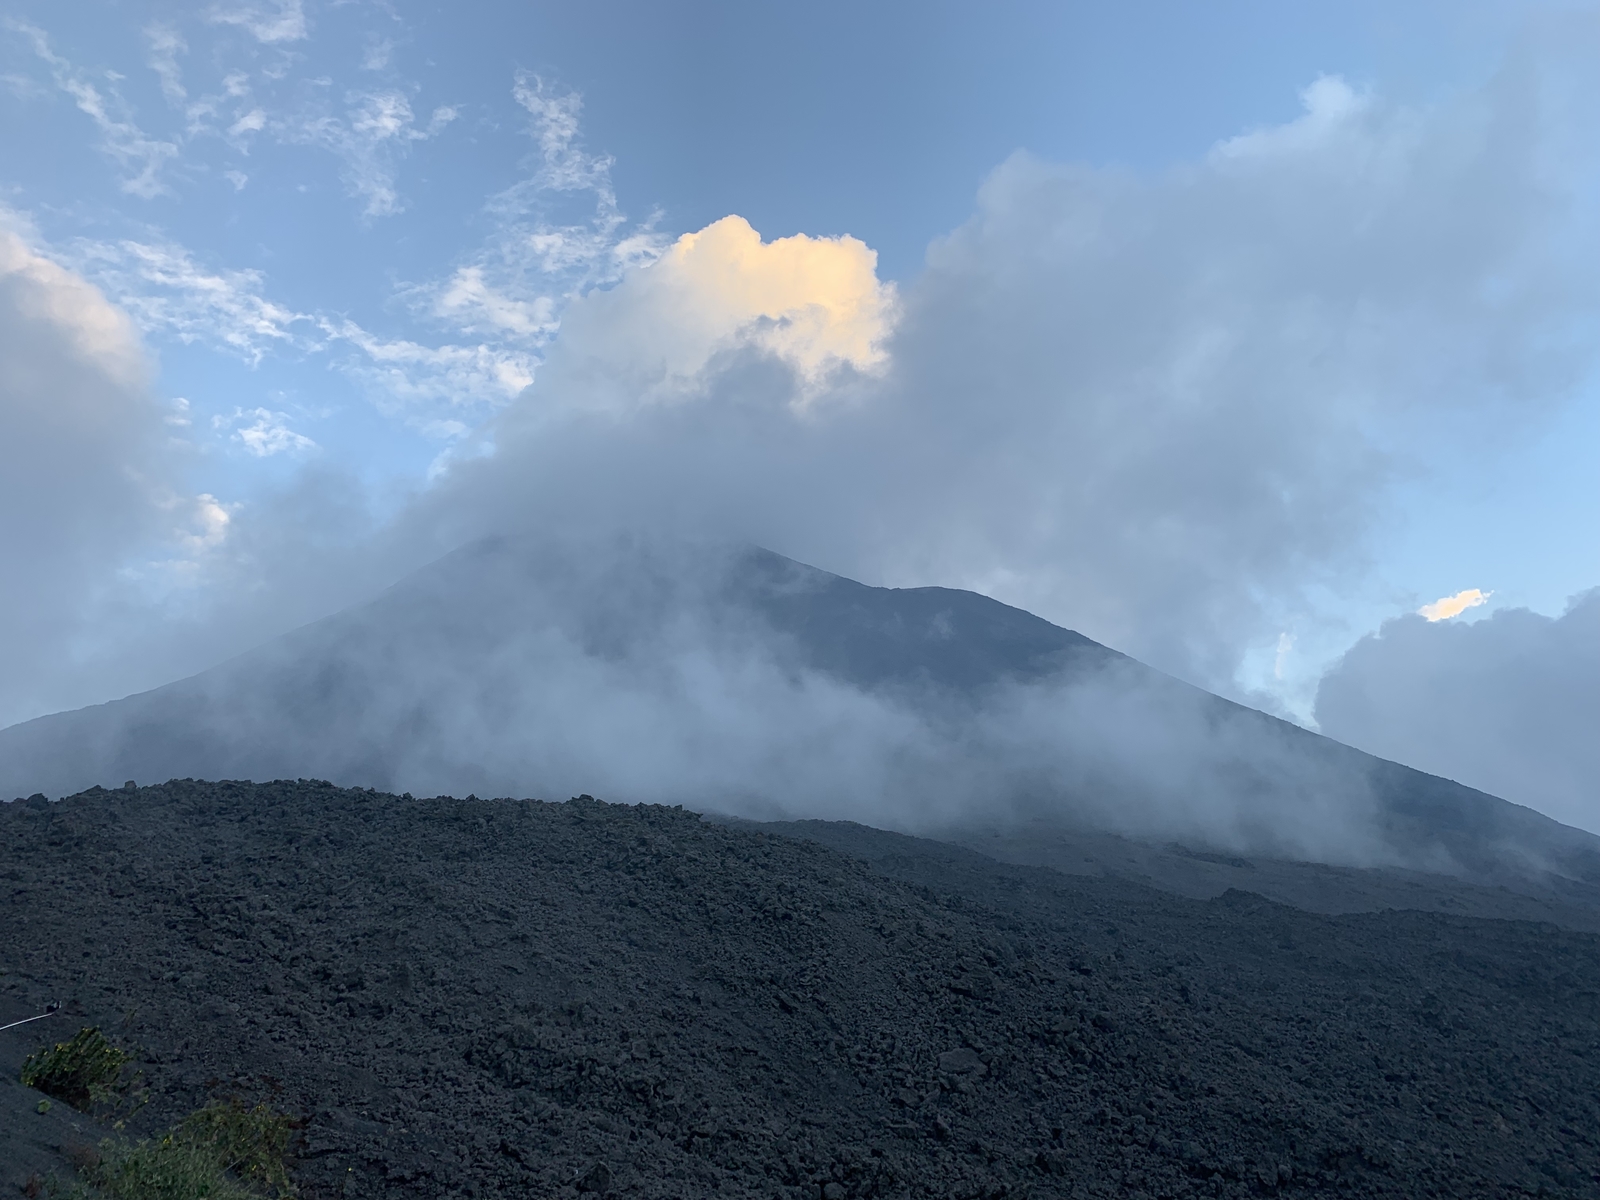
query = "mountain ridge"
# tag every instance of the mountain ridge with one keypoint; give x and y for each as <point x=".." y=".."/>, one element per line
<point x="734" y="669"/>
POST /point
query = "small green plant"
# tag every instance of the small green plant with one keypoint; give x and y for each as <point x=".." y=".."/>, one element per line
<point x="224" y="1151"/>
<point x="83" y="1071"/>
<point x="160" y="1169"/>
<point x="248" y="1142"/>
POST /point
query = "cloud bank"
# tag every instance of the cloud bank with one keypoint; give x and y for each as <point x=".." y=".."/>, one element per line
<point x="1160" y="408"/>
<point x="731" y="679"/>
<point x="1508" y="704"/>
<point x="1156" y="409"/>
<point x="85" y="469"/>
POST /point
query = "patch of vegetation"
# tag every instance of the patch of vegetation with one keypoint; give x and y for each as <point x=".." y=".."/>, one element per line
<point x="224" y="1151"/>
<point x="83" y="1071"/>
<point x="248" y="1142"/>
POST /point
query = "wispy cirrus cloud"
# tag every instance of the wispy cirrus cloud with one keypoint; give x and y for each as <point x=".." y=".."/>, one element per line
<point x="263" y="432"/>
<point x="138" y="155"/>
<point x="369" y="138"/>
<point x="370" y="133"/>
<point x="167" y="291"/>
<point x="555" y="234"/>
<point x="166" y="44"/>
<point x="441" y="390"/>
<point x="559" y="231"/>
<point x="269" y="23"/>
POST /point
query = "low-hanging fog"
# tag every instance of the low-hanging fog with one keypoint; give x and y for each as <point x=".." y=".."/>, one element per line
<point x="650" y="668"/>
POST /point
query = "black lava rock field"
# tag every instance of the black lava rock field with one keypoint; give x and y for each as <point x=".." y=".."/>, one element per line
<point x="485" y="998"/>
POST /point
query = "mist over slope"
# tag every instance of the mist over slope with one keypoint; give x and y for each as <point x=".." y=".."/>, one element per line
<point x="741" y="681"/>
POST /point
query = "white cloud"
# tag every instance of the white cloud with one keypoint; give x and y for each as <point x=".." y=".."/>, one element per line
<point x="1509" y="704"/>
<point x="1281" y="658"/>
<point x="377" y="54"/>
<point x="815" y="304"/>
<point x="442" y="390"/>
<point x="252" y="121"/>
<point x="565" y="166"/>
<point x="284" y="21"/>
<point x="165" y="46"/>
<point x="1160" y="409"/>
<point x="167" y="291"/>
<point x="85" y="470"/>
<point x="1446" y="607"/>
<point x="373" y="133"/>
<point x="515" y="285"/>
<point x="141" y="156"/>
<point x="1332" y="110"/>
<point x="264" y="432"/>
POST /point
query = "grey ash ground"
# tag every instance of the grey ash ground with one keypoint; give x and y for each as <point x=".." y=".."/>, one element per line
<point x="512" y="998"/>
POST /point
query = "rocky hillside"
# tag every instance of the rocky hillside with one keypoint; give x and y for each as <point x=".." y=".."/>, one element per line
<point x="473" y="998"/>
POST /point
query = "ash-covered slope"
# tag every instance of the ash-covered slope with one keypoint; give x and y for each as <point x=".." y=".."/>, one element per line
<point x="436" y="681"/>
<point x="507" y="998"/>
<point x="738" y="679"/>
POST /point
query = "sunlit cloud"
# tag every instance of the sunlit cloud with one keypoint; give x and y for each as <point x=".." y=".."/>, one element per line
<point x="1446" y="607"/>
<point x="815" y="303"/>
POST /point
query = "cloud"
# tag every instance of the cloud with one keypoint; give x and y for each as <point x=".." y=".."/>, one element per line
<point x="140" y="156"/>
<point x="86" y="471"/>
<point x="565" y="167"/>
<point x="1509" y="704"/>
<point x="165" y="290"/>
<point x="1159" y="408"/>
<point x="270" y="23"/>
<point x="813" y="304"/>
<point x="558" y="233"/>
<point x="1446" y="607"/>
<point x="264" y="433"/>
<point x="165" y="46"/>
<point x="374" y="132"/>
<point x="442" y="390"/>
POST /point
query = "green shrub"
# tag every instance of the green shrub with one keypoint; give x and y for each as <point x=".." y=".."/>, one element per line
<point x="83" y="1071"/>
<point x="224" y="1151"/>
<point x="249" y="1142"/>
<point x="162" y="1169"/>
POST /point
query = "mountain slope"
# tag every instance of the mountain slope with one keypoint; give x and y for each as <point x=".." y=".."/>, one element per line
<point x="509" y="998"/>
<point x="736" y="678"/>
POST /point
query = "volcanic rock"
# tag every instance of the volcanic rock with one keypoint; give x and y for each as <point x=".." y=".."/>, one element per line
<point x="497" y="997"/>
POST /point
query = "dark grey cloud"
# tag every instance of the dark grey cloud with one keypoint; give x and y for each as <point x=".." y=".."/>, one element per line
<point x="1509" y="704"/>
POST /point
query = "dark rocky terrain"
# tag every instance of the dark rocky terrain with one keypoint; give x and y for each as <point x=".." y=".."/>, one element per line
<point x="505" y="998"/>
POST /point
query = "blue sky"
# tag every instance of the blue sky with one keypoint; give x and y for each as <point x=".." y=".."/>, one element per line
<point x="347" y="237"/>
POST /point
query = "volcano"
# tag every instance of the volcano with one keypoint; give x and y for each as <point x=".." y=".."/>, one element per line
<point x="734" y="680"/>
